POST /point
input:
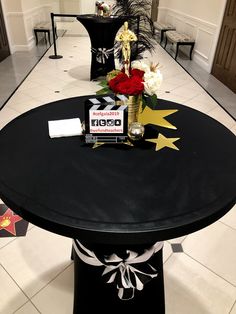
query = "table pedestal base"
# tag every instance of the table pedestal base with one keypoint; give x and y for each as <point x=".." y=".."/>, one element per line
<point x="101" y="68"/>
<point x="93" y="295"/>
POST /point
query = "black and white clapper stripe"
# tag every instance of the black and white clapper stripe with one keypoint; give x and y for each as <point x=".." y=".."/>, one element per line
<point x="119" y="102"/>
<point x="116" y="100"/>
<point x="107" y="126"/>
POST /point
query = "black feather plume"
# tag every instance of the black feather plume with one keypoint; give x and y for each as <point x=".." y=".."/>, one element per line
<point x="138" y="14"/>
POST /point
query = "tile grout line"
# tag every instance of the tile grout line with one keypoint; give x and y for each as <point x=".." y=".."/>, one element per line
<point x="25" y="304"/>
<point x="22" y="81"/>
<point x="232" y="307"/>
<point x="15" y="283"/>
<point x="30" y="298"/>
<point x="16" y="238"/>
<point x="13" y="239"/>
<point x="212" y="271"/>
<point x="225" y="224"/>
<point x="167" y="259"/>
<point x="64" y="269"/>
<point x="20" y="307"/>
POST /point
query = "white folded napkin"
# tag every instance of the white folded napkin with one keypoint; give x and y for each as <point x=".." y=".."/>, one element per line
<point x="66" y="127"/>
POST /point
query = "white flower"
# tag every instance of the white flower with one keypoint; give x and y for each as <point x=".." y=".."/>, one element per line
<point x="152" y="82"/>
<point x="152" y="76"/>
<point x="140" y="65"/>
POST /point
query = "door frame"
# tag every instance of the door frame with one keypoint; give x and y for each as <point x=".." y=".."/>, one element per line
<point x="6" y="25"/>
<point x="217" y="36"/>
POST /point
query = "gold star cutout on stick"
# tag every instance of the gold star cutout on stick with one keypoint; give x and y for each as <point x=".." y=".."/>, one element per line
<point x="156" y="117"/>
<point x="128" y="143"/>
<point x="98" y="144"/>
<point x="162" y="141"/>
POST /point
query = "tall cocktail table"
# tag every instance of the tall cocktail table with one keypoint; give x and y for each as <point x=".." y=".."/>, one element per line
<point x="102" y="32"/>
<point x="116" y="197"/>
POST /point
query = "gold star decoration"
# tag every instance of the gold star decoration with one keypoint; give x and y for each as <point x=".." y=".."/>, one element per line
<point x="156" y="117"/>
<point x="98" y="144"/>
<point x="128" y="143"/>
<point x="161" y="141"/>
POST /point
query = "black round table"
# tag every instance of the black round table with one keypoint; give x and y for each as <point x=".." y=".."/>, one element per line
<point x="102" y="32"/>
<point x="117" y="197"/>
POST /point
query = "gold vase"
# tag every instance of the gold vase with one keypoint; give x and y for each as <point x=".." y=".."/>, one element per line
<point x="134" y="106"/>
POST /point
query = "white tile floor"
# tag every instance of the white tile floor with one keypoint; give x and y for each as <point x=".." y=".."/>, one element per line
<point x="36" y="272"/>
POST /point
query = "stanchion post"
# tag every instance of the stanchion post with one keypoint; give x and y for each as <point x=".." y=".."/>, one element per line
<point x="55" y="56"/>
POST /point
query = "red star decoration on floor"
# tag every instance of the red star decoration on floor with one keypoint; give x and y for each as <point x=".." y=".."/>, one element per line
<point x="8" y="221"/>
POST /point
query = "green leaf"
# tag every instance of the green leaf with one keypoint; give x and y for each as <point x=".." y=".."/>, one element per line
<point x="103" y="83"/>
<point x="104" y="90"/>
<point x="153" y="100"/>
<point x="144" y="103"/>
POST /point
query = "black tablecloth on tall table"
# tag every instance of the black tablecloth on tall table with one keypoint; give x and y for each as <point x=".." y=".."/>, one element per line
<point x="72" y="188"/>
<point x="116" y="197"/>
<point x="102" y="32"/>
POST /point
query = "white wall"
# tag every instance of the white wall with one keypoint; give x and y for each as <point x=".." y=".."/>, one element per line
<point x="208" y="10"/>
<point x="20" y="18"/>
<point x="53" y="5"/>
<point x="29" y="4"/>
<point x="200" y="19"/>
<point x="13" y="5"/>
<point x="75" y="28"/>
<point x="88" y="6"/>
<point x="22" y="15"/>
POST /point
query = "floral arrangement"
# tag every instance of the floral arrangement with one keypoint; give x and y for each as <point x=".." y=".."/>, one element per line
<point x="144" y="79"/>
<point x="103" y="8"/>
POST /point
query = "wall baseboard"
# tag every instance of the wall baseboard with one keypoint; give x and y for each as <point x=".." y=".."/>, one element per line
<point x="28" y="19"/>
<point x="204" y="33"/>
<point x="28" y="47"/>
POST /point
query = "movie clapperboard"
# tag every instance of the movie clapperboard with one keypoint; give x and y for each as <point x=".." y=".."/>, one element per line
<point x="106" y="119"/>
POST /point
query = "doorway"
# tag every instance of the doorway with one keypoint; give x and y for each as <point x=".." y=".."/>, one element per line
<point x="154" y="10"/>
<point x="4" y="46"/>
<point x="224" y="65"/>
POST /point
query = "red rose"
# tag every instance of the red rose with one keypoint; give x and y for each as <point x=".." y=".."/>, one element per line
<point x="132" y="86"/>
<point x="136" y="72"/>
<point x="122" y="84"/>
<point x="116" y="80"/>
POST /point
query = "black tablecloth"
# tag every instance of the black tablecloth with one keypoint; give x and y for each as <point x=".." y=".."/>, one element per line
<point x="116" y="193"/>
<point x="102" y="32"/>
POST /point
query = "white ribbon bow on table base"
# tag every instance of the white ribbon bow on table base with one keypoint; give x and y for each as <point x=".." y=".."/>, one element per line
<point x="120" y="271"/>
<point x="102" y="54"/>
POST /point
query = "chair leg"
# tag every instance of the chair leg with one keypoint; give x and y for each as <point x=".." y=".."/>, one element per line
<point x="162" y="36"/>
<point x="72" y="253"/>
<point x="45" y="37"/>
<point x="49" y="40"/>
<point x="165" y="43"/>
<point x="177" y="50"/>
<point x="36" y="37"/>
<point x="191" y="50"/>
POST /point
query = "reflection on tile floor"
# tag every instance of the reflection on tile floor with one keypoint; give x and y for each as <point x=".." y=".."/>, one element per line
<point x="15" y="68"/>
<point x="221" y="93"/>
<point x="199" y="280"/>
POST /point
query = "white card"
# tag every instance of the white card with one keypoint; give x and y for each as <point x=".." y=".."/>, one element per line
<point x="66" y="127"/>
